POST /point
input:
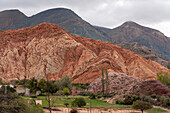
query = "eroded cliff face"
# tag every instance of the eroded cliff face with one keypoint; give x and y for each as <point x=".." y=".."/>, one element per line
<point x="24" y="52"/>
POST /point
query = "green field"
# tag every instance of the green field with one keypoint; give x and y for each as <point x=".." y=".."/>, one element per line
<point x="58" y="101"/>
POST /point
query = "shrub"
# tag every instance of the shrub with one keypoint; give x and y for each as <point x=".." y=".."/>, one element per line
<point x="66" y="104"/>
<point x="108" y="95"/>
<point x="78" y="102"/>
<point x="165" y="101"/>
<point x="12" y="103"/>
<point x="165" y="79"/>
<point x="92" y="96"/>
<point x="42" y="94"/>
<point x="74" y="111"/>
<point x="153" y="95"/>
<point x="120" y="102"/>
<point x="66" y="91"/>
<point x="99" y="96"/>
<point x="59" y="93"/>
<point x="141" y="105"/>
<point x="84" y="93"/>
<point x="33" y="96"/>
<point x="129" y="100"/>
<point x="21" y="94"/>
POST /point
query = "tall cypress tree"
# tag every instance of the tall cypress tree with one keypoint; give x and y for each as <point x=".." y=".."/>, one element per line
<point x="102" y="80"/>
<point x="107" y="80"/>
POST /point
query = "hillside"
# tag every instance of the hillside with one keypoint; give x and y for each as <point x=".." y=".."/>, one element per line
<point x="151" y="38"/>
<point x="10" y="17"/>
<point x="143" y="51"/>
<point x="66" y="19"/>
<point x="24" y="53"/>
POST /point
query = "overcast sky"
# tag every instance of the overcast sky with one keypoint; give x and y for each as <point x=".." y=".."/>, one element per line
<point x="106" y="13"/>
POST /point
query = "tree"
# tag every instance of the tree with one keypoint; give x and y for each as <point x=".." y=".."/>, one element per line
<point x="78" y="102"/>
<point x="32" y="85"/>
<point x="66" y="91"/>
<point x="42" y="85"/>
<point x="12" y="103"/>
<point x="51" y="87"/>
<point x="102" y="80"/>
<point x="107" y="81"/>
<point x="66" y="82"/>
<point x="141" y="105"/>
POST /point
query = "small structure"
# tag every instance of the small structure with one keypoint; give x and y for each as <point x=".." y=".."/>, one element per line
<point x="38" y="102"/>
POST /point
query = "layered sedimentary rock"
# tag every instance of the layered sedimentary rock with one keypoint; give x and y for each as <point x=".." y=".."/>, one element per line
<point x="25" y="52"/>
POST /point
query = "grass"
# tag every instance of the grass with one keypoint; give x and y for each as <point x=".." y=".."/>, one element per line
<point x="59" y="101"/>
<point x="156" y="110"/>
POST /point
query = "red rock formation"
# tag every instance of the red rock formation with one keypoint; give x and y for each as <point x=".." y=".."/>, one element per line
<point x="121" y="84"/>
<point x="24" y="52"/>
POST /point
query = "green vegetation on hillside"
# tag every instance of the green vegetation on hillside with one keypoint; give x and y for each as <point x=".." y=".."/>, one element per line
<point x="164" y="78"/>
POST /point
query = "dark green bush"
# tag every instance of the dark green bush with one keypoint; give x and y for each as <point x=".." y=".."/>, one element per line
<point x="121" y="102"/>
<point x="12" y="103"/>
<point x="92" y="96"/>
<point x="84" y="93"/>
<point x="78" y="102"/>
<point x="66" y="104"/>
<point x="153" y="95"/>
<point x="21" y="94"/>
<point x="42" y="94"/>
<point x="33" y="96"/>
<point x="128" y="100"/>
<point x="99" y="96"/>
<point x="165" y="101"/>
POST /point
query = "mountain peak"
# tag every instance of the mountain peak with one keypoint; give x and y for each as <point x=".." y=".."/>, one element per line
<point x="13" y="11"/>
<point x="130" y="23"/>
<point x="10" y="17"/>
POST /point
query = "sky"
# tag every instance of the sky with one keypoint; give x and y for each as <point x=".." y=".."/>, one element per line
<point x="106" y="13"/>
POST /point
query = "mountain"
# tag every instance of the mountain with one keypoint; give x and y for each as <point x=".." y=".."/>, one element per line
<point x="10" y="17"/>
<point x="66" y="19"/>
<point x="25" y="52"/>
<point x="151" y="38"/>
<point x="143" y="51"/>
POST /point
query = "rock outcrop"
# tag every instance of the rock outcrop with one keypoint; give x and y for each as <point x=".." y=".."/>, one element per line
<point x="25" y="52"/>
<point x="121" y="84"/>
